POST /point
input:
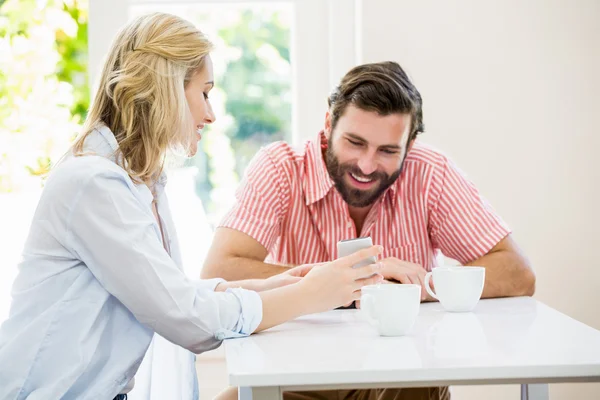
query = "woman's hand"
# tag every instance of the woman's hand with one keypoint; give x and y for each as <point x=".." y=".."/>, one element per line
<point x="325" y="287"/>
<point x="336" y="283"/>
<point x="288" y="277"/>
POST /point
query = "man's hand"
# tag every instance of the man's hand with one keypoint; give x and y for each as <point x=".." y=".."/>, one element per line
<point x="398" y="271"/>
<point x="404" y="272"/>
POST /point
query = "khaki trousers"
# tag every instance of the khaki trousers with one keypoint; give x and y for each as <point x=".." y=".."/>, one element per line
<point x="433" y="393"/>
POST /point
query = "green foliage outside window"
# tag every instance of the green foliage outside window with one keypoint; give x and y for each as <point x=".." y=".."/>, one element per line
<point x="44" y="92"/>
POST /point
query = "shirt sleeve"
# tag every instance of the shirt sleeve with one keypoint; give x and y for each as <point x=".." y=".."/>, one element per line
<point x="260" y="202"/>
<point x="118" y="240"/>
<point x="463" y="224"/>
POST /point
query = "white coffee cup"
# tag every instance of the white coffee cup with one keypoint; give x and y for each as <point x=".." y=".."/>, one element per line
<point x="457" y="288"/>
<point x="391" y="309"/>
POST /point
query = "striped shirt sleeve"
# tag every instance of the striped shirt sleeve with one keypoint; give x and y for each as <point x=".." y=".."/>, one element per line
<point x="258" y="210"/>
<point x="463" y="224"/>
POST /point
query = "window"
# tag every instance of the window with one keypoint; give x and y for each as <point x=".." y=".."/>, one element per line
<point x="302" y="47"/>
<point x="252" y="97"/>
<point x="252" y="100"/>
<point x="274" y="63"/>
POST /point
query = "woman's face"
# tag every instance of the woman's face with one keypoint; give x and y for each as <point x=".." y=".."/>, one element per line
<point x="196" y="93"/>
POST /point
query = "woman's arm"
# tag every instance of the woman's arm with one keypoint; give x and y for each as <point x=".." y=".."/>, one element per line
<point x="113" y="234"/>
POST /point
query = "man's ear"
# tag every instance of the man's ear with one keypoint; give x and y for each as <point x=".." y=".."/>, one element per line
<point x="327" y="128"/>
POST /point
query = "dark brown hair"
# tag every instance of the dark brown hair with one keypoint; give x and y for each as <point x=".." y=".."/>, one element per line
<point x="381" y="87"/>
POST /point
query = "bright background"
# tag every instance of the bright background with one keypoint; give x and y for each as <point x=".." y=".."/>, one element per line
<point x="511" y="92"/>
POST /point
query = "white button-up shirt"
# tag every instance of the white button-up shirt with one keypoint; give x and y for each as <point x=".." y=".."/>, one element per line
<point x="96" y="284"/>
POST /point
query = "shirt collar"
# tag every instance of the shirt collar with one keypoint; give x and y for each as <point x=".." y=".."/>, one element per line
<point x="102" y="141"/>
<point x="318" y="182"/>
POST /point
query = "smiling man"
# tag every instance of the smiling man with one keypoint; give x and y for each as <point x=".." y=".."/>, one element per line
<point x="366" y="174"/>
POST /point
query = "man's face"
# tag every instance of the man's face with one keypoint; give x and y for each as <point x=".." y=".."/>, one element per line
<point x="365" y="153"/>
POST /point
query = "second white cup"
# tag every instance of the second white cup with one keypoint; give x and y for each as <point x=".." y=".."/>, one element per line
<point x="457" y="288"/>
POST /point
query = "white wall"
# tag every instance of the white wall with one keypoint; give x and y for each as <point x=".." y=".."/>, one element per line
<point x="512" y="93"/>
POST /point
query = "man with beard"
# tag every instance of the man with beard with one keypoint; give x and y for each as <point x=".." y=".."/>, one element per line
<point x="366" y="174"/>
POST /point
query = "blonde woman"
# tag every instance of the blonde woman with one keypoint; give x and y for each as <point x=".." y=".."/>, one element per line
<point x="101" y="273"/>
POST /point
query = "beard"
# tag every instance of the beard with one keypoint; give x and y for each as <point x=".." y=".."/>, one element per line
<point x="357" y="197"/>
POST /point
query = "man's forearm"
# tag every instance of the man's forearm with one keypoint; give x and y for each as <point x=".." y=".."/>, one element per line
<point x="238" y="268"/>
<point x="507" y="274"/>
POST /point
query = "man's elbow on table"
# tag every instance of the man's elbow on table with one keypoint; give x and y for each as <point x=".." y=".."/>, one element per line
<point x="508" y="271"/>
<point x="529" y="280"/>
<point x="522" y="276"/>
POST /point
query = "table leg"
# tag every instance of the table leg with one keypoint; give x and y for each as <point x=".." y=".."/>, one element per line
<point x="259" y="393"/>
<point x="534" y="391"/>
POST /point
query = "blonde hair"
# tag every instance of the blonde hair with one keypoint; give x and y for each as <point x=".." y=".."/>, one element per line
<point x="141" y="92"/>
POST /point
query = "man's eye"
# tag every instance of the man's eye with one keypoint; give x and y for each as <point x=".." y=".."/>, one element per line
<point x="386" y="151"/>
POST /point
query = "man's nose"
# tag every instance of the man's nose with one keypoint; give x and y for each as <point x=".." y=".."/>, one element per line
<point x="367" y="165"/>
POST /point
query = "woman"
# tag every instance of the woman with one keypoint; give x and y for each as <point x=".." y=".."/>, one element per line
<point x="101" y="271"/>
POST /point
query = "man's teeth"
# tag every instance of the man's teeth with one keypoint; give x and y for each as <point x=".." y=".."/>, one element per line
<point x="363" y="180"/>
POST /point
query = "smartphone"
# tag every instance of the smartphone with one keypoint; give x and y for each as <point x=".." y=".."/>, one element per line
<point x="349" y="246"/>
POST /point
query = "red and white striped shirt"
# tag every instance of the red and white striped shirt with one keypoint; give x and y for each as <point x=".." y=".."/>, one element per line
<point x="289" y="204"/>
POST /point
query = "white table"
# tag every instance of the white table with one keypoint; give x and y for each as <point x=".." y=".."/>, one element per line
<point x="517" y="340"/>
